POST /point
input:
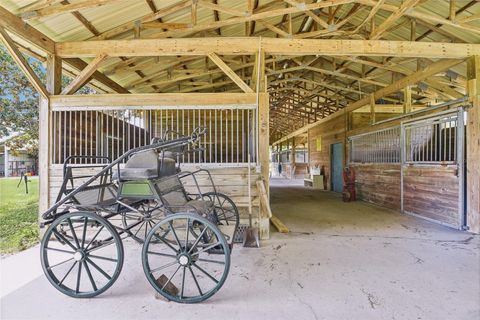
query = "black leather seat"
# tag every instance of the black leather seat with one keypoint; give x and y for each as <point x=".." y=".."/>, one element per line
<point x="146" y="165"/>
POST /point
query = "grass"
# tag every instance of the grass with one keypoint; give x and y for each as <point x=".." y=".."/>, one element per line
<point x="18" y="215"/>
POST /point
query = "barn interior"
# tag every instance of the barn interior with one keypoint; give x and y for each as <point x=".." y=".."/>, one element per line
<point x="291" y="93"/>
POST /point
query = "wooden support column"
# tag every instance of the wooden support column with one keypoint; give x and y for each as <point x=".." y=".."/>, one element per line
<point x="372" y="108"/>
<point x="473" y="145"/>
<point x="292" y="160"/>
<point x="53" y="86"/>
<point x="263" y="144"/>
<point x="407" y="103"/>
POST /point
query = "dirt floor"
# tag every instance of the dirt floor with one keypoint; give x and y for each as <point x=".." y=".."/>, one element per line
<point x="340" y="261"/>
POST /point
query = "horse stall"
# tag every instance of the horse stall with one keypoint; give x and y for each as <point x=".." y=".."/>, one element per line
<point x="101" y="126"/>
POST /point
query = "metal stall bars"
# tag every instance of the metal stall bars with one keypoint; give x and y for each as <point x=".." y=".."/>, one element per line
<point x="111" y="131"/>
<point x="436" y="140"/>
<point x="382" y="146"/>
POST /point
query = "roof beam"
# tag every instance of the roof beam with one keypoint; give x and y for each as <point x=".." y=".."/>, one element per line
<point x="79" y="64"/>
<point x="418" y="76"/>
<point x="273" y="46"/>
<point x="84" y="75"/>
<point x="229" y="72"/>
<point x="23" y="64"/>
<point x="60" y="8"/>
<point x="406" y="5"/>
<point x="15" y="25"/>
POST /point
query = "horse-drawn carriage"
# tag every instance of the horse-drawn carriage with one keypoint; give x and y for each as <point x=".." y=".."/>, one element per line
<point x="187" y="234"/>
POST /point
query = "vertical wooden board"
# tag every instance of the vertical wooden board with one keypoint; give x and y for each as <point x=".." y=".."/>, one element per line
<point x="43" y="154"/>
<point x="263" y="142"/>
<point x="473" y="145"/>
<point x="473" y="166"/>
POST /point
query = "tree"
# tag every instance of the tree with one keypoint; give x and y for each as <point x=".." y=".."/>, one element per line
<point x="19" y="102"/>
<point x="18" y="98"/>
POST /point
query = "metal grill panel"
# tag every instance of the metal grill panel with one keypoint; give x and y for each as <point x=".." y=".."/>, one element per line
<point x="230" y="137"/>
<point x="381" y="146"/>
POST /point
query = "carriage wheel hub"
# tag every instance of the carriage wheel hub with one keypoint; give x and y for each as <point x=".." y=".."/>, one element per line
<point x="79" y="255"/>
<point x="184" y="260"/>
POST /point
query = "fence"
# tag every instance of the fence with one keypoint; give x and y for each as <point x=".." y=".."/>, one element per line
<point x="111" y="132"/>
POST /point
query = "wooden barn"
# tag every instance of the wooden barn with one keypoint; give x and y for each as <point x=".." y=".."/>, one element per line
<point x="290" y="92"/>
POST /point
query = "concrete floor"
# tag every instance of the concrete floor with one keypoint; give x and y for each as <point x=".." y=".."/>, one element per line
<point x="340" y="261"/>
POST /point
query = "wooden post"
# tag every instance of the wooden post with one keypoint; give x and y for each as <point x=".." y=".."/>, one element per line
<point x="292" y="160"/>
<point x="473" y="145"/>
<point x="407" y="103"/>
<point x="372" y="108"/>
<point x="263" y="143"/>
<point x="53" y="86"/>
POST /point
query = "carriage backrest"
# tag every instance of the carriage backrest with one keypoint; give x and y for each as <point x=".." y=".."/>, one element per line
<point x="172" y="191"/>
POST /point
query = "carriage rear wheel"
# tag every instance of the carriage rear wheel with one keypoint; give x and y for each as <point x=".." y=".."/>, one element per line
<point x="180" y="264"/>
<point x="81" y="254"/>
<point x="225" y="209"/>
<point x="138" y="224"/>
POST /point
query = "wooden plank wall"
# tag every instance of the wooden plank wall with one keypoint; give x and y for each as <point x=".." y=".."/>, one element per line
<point x="329" y="132"/>
<point x="432" y="192"/>
<point x="429" y="191"/>
<point x="379" y="184"/>
<point x="232" y="181"/>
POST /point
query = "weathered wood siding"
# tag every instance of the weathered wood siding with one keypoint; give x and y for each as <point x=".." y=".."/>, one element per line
<point x="432" y="192"/>
<point x="379" y="184"/>
<point x="330" y="132"/>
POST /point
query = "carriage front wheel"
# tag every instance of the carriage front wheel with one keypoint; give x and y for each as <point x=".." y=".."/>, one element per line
<point x="81" y="254"/>
<point x="180" y="263"/>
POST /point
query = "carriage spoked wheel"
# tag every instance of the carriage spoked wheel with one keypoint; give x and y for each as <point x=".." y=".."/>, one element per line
<point x="226" y="212"/>
<point x="81" y="254"/>
<point x="177" y="260"/>
<point x="225" y="208"/>
<point x="138" y="224"/>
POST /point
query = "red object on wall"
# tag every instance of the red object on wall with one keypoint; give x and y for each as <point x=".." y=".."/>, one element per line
<point x="349" y="193"/>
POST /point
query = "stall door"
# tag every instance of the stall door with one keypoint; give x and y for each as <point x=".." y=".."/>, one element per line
<point x="433" y="168"/>
<point x="337" y="167"/>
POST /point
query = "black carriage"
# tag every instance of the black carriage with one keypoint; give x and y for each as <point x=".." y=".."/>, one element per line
<point x="187" y="234"/>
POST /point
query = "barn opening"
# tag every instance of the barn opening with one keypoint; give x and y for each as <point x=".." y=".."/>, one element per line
<point x="292" y="94"/>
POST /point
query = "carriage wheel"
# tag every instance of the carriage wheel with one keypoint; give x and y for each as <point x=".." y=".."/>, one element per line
<point x="225" y="209"/>
<point x="81" y="254"/>
<point x="138" y="224"/>
<point x="179" y="263"/>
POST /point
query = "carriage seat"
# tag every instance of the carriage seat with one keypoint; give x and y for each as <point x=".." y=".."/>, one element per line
<point x="146" y="165"/>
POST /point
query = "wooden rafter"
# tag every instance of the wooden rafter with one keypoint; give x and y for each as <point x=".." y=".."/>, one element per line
<point x="23" y="64"/>
<point x="60" y="8"/>
<point x="84" y="75"/>
<point x="229" y="72"/>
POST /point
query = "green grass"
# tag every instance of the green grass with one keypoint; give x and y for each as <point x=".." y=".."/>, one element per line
<point x="18" y="215"/>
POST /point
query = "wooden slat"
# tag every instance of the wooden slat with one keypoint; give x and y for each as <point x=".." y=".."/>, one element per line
<point x="279" y="225"/>
<point x="264" y="202"/>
